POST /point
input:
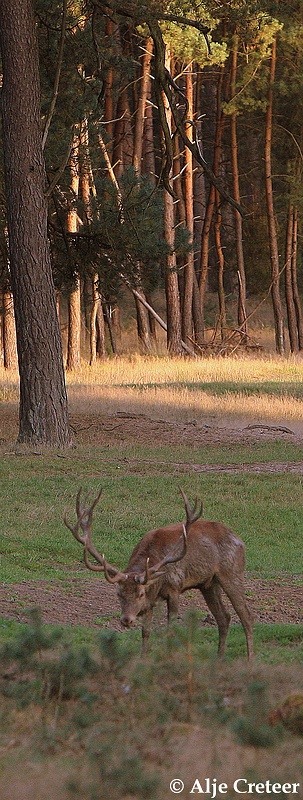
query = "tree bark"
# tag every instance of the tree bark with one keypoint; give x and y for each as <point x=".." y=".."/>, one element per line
<point x="273" y="239"/>
<point x="43" y="415"/>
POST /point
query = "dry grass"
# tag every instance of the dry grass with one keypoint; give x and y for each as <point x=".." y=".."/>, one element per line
<point x="172" y="388"/>
<point x="175" y="388"/>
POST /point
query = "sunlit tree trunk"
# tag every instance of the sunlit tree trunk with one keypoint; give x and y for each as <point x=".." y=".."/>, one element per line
<point x="74" y="300"/>
<point x="273" y="239"/>
<point x="97" y="326"/>
<point x="9" y="344"/>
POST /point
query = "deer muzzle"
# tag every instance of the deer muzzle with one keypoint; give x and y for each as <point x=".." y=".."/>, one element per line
<point x="128" y="620"/>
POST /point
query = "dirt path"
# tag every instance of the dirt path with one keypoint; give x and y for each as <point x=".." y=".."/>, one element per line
<point x="94" y="602"/>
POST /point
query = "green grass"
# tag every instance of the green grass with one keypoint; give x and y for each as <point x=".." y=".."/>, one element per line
<point x="222" y="387"/>
<point x="274" y="644"/>
<point x="266" y="509"/>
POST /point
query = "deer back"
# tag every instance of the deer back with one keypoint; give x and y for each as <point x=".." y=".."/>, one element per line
<point x="211" y="547"/>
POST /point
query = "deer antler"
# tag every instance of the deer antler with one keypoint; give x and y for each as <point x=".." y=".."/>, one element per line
<point x="84" y="522"/>
<point x="192" y="514"/>
<point x="154" y="572"/>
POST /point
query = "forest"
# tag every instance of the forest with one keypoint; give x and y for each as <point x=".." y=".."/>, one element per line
<point x="169" y="143"/>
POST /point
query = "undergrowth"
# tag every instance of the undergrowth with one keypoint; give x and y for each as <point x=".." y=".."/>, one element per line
<point x="117" y="720"/>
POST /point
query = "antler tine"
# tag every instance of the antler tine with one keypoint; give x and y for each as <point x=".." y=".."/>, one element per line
<point x="192" y="514"/>
<point x="84" y="510"/>
<point x="85" y="514"/>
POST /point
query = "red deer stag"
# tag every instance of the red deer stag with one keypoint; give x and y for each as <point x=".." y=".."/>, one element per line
<point x="166" y="562"/>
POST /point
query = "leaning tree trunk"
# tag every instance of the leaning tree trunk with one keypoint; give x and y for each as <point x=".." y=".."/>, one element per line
<point x="273" y="239"/>
<point x="43" y="416"/>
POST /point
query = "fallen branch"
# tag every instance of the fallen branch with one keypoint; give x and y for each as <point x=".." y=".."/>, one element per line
<point x="269" y="428"/>
<point x="155" y="315"/>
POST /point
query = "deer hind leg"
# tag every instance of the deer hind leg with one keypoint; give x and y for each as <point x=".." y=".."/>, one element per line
<point x="213" y="598"/>
<point x="237" y="598"/>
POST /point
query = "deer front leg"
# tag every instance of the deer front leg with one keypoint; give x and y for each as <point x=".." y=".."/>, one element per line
<point x="146" y="628"/>
<point x="172" y="602"/>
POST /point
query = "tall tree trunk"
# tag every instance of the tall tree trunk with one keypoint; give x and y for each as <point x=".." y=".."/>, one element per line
<point x="111" y="328"/>
<point x="236" y="194"/>
<point x="199" y="212"/>
<point x="74" y="300"/>
<point x="149" y="166"/>
<point x="123" y="136"/>
<point x="211" y="199"/>
<point x="173" y="311"/>
<point x="188" y="285"/>
<point x="220" y="256"/>
<point x="290" y="305"/>
<point x="97" y="327"/>
<point x="273" y="239"/>
<point x="9" y="343"/>
<point x="296" y="296"/>
<point x="143" y="325"/>
<point x="43" y="416"/>
<point x="108" y="89"/>
<point x="96" y="324"/>
<point x="141" y="108"/>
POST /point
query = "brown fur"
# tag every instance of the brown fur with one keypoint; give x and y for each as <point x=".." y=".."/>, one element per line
<point x="214" y="560"/>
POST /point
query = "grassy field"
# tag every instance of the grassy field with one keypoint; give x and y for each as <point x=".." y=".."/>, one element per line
<point x="81" y="714"/>
<point x="263" y="509"/>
